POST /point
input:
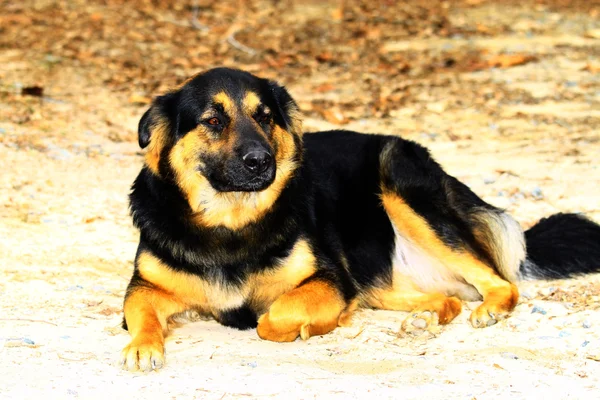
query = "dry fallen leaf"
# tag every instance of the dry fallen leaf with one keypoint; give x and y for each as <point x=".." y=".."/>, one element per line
<point x="509" y="60"/>
<point x="592" y="34"/>
<point x="326" y="87"/>
<point x="593" y="68"/>
<point x="334" y="115"/>
<point x="325" y="56"/>
<point x="139" y="99"/>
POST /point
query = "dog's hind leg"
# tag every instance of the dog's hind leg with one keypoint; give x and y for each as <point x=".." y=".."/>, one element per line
<point x="427" y="310"/>
<point x="430" y="211"/>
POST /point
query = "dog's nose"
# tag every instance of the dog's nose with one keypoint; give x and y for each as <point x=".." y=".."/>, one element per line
<point x="257" y="161"/>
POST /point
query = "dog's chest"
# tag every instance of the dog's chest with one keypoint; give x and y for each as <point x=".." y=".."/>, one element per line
<point x="258" y="290"/>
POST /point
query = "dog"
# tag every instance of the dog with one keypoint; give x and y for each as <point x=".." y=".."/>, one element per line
<point x="245" y="219"/>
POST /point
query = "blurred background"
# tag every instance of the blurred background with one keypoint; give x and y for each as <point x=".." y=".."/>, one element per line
<point x="345" y="60"/>
<point x="505" y="93"/>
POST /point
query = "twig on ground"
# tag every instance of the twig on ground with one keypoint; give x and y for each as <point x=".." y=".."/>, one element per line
<point x="232" y="41"/>
<point x="235" y="28"/>
<point x="194" y="20"/>
<point x="28" y="320"/>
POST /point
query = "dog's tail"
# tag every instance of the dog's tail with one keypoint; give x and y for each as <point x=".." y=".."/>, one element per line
<point x="561" y="246"/>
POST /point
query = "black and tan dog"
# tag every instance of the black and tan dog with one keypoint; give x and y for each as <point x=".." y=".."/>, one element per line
<point x="245" y="219"/>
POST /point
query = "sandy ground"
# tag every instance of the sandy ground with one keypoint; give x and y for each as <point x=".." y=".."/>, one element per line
<point x="67" y="244"/>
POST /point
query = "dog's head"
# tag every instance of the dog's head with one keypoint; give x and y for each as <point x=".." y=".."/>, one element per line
<point x="229" y="140"/>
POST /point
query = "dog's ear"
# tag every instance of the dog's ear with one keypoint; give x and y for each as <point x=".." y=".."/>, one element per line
<point x="288" y="113"/>
<point x="163" y="109"/>
<point x="144" y="126"/>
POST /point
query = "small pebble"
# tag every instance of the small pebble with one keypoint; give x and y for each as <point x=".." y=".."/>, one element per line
<point x="537" y="194"/>
<point x="489" y="180"/>
<point x="585" y="343"/>
<point x="419" y="323"/>
<point x="252" y="364"/>
<point x="510" y="356"/>
<point x="538" y="309"/>
<point x="586" y="324"/>
<point x="28" y="341"/>
<point x="546" y="337"/>
<point x="527" y="295"/>
<point x="564" y="334"/>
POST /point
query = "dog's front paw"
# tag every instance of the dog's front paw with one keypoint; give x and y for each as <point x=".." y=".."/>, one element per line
<point x="309" y="310"/>
<point x="278" y="329"/>
<point x="144" y="353"/>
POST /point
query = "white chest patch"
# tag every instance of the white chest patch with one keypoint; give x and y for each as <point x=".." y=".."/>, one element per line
<point x="220" y="297"/>
<point x="428" y="273"/>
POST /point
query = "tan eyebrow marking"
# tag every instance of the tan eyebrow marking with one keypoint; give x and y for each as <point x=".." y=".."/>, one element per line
<point x="250" y="103"/>
<point x="223" y="99"/>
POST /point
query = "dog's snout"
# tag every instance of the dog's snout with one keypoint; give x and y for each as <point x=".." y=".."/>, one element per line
<point x="257" y="161"/>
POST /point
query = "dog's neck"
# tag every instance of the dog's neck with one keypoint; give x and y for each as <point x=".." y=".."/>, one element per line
<point x="162" y="214"/>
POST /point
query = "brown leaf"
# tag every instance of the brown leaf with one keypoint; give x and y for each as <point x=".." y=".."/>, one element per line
<point x="338" y="13"/>
<point x="139" y="99"/>
<point x="334" y="115"/>
<point x="593" y="68"/>
<point x="108" y="311"/>
<point x="592" y="34"/>
<point x="509" y="60"/>
<point x="325" y="87"/>
<point x="96" y="17"/>
<point x="325" y="56"/>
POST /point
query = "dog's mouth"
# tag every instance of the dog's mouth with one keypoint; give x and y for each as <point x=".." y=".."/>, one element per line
<point x="257" y="183"/>
<point x="238" y="181"/>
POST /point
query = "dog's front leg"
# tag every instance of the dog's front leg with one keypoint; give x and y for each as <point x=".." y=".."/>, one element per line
<point x="146" y="312"/>
<point x="315" y="307"/>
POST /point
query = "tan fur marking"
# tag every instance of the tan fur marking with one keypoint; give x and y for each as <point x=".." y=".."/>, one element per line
<point x="190" y="289"/>
<point x="147" y="312"/>
<point x="228" y="104"/>
<point x="250" y="103"/>
<point x="267" y="286"/>
<point x="235" y="210"/>
<point x="157" y="138"/>
<point x="499" y="296"/>
<point x="311" y="309"/>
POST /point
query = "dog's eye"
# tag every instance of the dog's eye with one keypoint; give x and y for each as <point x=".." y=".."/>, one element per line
<point x="263" y="118"/>
<point x="214" y="121"/>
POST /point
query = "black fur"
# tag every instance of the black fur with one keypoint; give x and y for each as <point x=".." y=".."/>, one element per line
<point x="562" y="246"/>
<point x="240" y="318"/>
